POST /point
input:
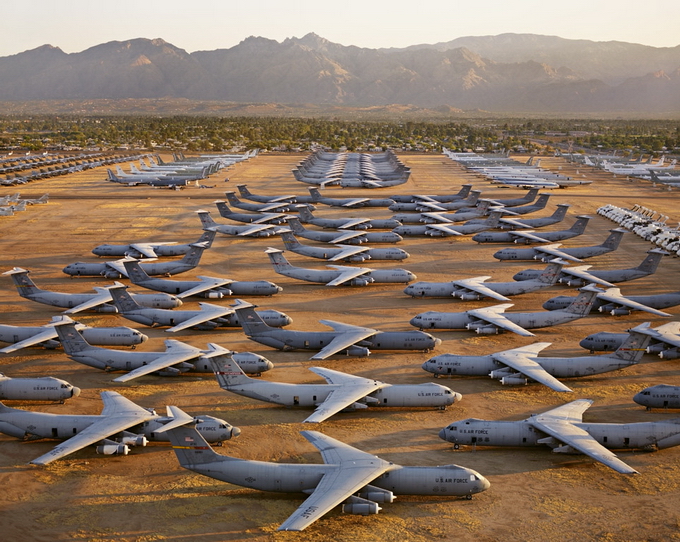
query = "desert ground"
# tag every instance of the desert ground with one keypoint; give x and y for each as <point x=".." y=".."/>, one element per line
<point x="535" y="495"/>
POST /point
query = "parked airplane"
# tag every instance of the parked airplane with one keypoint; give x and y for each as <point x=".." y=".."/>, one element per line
<point x="305" y="215"/>
<point x="530" y="236"/>
<point x="150" y="179"/>
<point x="576" y="254"/>
<point x="254" y="230"/>
<point x="207" y="287"/>
<point x="45" y="198"/>
<point x="345" y="338"/>
<point x="665" y="341"/>
<point x="450" y="230"/>
<point x="207" y="318"/>
<point x="45" y="388"/>
<point x="516" y="366"/>
<point x="660" y="396"/>
<point x="349" y="203"/>
<point x="408" y="198"/>
<point x="177" y="358"/>
<point x="563" y="430"/>
<point x="508" y="223"/>
<point x="247" y="194"/>
<point x="612" y="302"/>
<point x="275" y="206"/>
<point x="348" y="475"/>
<point x="115" y="269"/>
<point x="25" y="336"/>
<point x="492" y="320"/>
<point x="152" y="249"/>
<point x="578" y="276"/>
<point x="341" y="252"/>
<point x="248" y="218"/>
<point x="121" y="424"/>
<point x="348" y="237"/>
<point x="338" y="275"/>
<point x="476" y="288"/>
<point x="100" y="302"/>
<point x="424" y="206"/>
<point x="342" y="393"/>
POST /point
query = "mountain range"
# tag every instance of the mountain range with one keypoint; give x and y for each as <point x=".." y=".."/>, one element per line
<point x="510" y="73"/>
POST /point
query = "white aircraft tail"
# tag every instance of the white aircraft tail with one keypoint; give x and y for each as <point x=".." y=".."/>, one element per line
<point x="228" y="372"/>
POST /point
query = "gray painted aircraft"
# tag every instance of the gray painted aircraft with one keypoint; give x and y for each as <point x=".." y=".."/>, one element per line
<point x="424" y="206"/>
<point x="530" y="236"/>
<point x="348" y="203"/>
<point x="207" y="287"/>
<point x="444" y="198"/>
<point x="482" y="209"/>
<point x="348" y="237"/>
<point x="99" y="302"/>
<point x="306" y="216"/>
<point x="515" y="202"/>
<point x="564" y="430"/>
<point x="342" y="392"/>
<point x="341" y="252"/>
<point x="275" y="206"/>
<point x="45" y="388"/>
<point x="345" y="338"/>
<point x="115" y="269"/>
<point x="121" y="425"/>
<point x="338" y="275"/>
<point x="578" y="276"/>
<point x="152" y="249"/>
<point x="492" y="320"/>
<point x="508" y="223"/>
<point x="476" y="288"/>
<point x="359" y="479"/>
<point x="576" y="254"/>
<point x="249" y="218"/>
<point x="240" y="230"/>
<point x="207" y="318"/>
<point x="516" y="366"/>
<point x="247" y="194"/>
<point x="177" y="358"/>
<point x="131" y="179"/>
<point x="660" y="396"/>
<point x="46" y="336"/>
<point x="449" y="230"/>
<point x="612" y="302"/>
<point x="665" y="341"/>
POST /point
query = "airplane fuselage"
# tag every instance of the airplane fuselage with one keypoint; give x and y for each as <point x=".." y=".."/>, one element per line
<point x="661" y="396"/>
<point x="450" y="289"/>
<point x="461" y="320"/>
<point x="238" y="288"/>
<point x="535" y="254"/>
<point x="109" y="336"/>
<point x="68" y="301"/>
<point x="161" y="318"/>
<point x="36" y="389"/>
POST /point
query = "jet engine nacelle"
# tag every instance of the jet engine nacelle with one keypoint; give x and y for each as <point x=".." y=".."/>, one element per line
<point x="213" y="295"/>
<point x="360" y="282"/>
<point x="656" y="348"/>
<point x="500" y="373"/>
<point x="133" y="440"/>
<point x="51" y="344"/>
<point x="513" y="380"/>
<point x="361" y="351"/>
<point x="111" y="274"/>
<point x="671" y="353"/>
<point x="113" y="449"/>
<point x="107" y="309"/>
<point x="360" y="507"/>
<point x="620" y="312"/>
<point x="668" y="442"/>
<point x="359" y="258"/>
<point x="571" y="282"/>
<point x="469" y="296"/>
<point x="485" y="330"/>
<point x="376" y="494"/>
<point x="434" y="233"/>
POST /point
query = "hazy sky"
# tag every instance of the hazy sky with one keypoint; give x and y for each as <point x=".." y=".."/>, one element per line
<point x="75" y="25"/>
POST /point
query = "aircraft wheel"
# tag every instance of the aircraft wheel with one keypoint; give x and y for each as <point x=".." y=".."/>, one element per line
<point x="456" y="446"/>
<point x="468" y="497"/>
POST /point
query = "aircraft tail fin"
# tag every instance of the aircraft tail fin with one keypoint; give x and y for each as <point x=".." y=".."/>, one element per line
<point x="193" y="257"/>
<point x="232" y="199"/>
<point x="122" y="300"/>
<point x="111" y="176"/>
<point x="278" y="260"/>
<point x="135" y="272"/>
<point x="25" y="286"/>
<point x="483" y="205"/>
<point x="192" y="449"/>
<point x="119" y="171"/>
<point x="612" y="242"/>
<point x="71" y="339"/>
<point x="580" y="225"/>
<point x="542" y="201"/>
<point x="316" y="195"/>
<point x="464" y="191"/>
<point x="206" y="220"/>
<point x="552" y="272"/>
<point x="651" y="262"/>
<point x="305" y="213"/>
<point x="493" y="219"/>
<point x="243" y="190"/>
<point x="224" y="209"/>
<point x="206" y="239"/>
<point x="561" y="211"/>
<point x="250" y="321"/>
<point x="295" y="225"/>
<point x="228" y="372"/>
<point x="583" y="302"/>
<point x="635" y="345"/>
<point x="289" y="240"/>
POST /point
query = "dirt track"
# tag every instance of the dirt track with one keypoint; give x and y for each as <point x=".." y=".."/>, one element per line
<point x="534" y="496"/>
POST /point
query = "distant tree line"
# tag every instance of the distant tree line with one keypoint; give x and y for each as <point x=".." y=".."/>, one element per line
<point x="221" y="134"/>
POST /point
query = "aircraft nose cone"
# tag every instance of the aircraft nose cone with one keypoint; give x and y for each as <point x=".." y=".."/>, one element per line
<point x="437" y="342"/>
<point x="485" y="484"/>
<point x="235" y="432"/>
<point x="143" y="338"/>
<point x="177" y="301"/>
<point x="442" y="434"/>
<point x="411" y="276"/>
<point x="268" y="366"/>
<point x="457" y="396"/>
<point x="279" y="289"/>
<point x="75" y="392"/>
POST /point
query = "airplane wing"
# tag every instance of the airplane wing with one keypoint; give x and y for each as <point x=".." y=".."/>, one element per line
<point x="580" y="272"/>
<point x="432" y="206"/>
<point x="207" y="283"/>
<point x="476" y="284"/>
<point x="613" y="295"/>
<point x="527" y="234"/>
<point x="513" y="222"/>
<point x="117" y="415"/>
<point x="266" y="217"/>
<point x="347" y="273"/>
<point x="370" y="184"/>
<point x="146" y="249"/>
<point x="348" y="335"/>
<point x="270" y="206"/>
<point x="444" y="229"/>
<point x="552" y="250"/>
<point x="250" y="230"/>
<point x="494" y="316"/>
<point x="559" y="424"/>
<point x="46" y="335"/>
<point x="438" y="217"/>
<point x="349" y="470"/>
<point x="522" y="360"/>
<point x="208" y="312"/>
<point x="356" y="202"/>
<point x="104" y="296"/>
<point x="175" y="352"/>
<point x="353" y="222"/>
<point x="346" y="252"/>
<point x="349" y="390"/>
<point x="347" y="235"/>
<point x="668" y="333"/>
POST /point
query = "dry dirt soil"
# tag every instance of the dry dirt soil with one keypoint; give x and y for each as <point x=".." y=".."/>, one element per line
<point x="535" y="495"/>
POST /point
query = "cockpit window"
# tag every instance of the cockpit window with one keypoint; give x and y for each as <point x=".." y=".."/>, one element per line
<point x="472" y="477"/>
